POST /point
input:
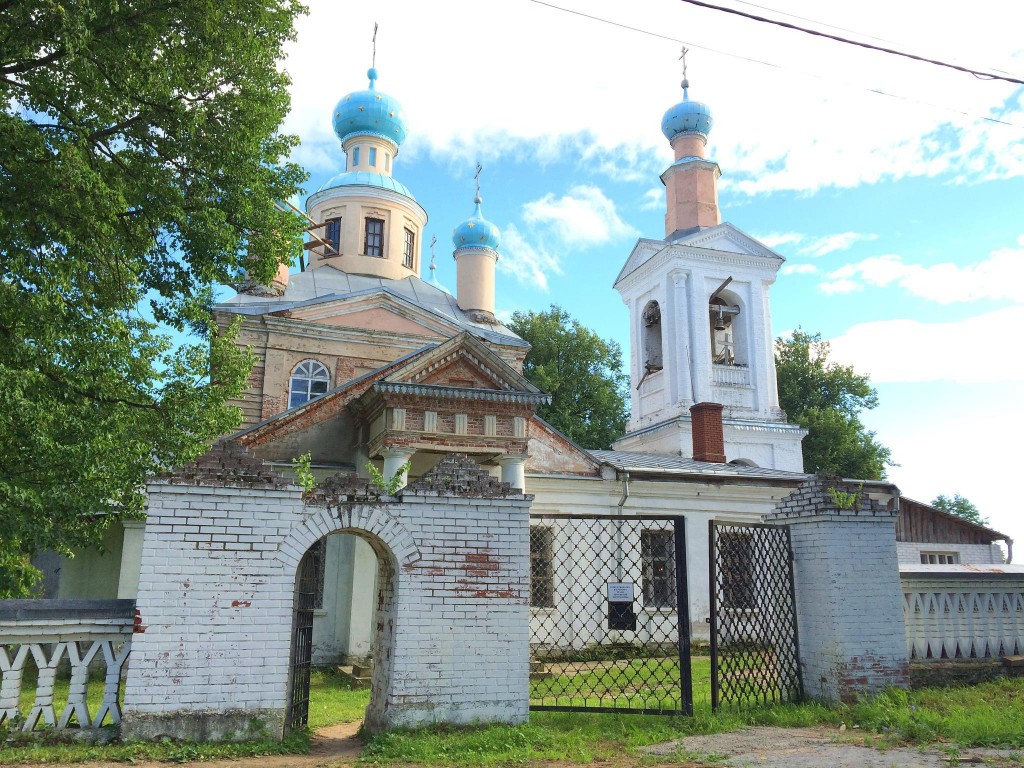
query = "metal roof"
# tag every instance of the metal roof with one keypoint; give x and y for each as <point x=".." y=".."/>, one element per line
<point x="326" y="283"/>
<point x="654" y="463"/>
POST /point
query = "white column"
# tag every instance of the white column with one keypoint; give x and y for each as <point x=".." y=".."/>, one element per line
<point x="513" y="470"/>
<point x="131" y="559"/>
<point x="394" y="459"/>
<point x="700" y="343"/>
<point x="681" y="350"/>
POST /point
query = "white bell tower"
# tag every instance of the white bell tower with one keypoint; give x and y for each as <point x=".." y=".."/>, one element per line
<point x="700" y="319"/>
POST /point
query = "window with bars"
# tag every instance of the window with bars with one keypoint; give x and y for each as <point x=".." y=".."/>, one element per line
<point x="939" y="558"/>
<point x="658" y="556"/>
<point x="332" y="234"/>
<point x="542" y="567"/>
<point x="375" y="237"/>
<point x="309" y="380"/>
<point x="736" y="551"/>
<point x="410" y="246"/>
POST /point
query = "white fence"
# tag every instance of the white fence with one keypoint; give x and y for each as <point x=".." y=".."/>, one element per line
<point x="963" y="614"/>
<point x="56" y="635"/>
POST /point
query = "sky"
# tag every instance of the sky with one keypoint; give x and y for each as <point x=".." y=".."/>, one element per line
<point x="893" y="188"/>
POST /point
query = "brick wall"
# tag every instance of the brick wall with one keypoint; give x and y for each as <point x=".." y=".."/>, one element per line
<point x="848" y="595"/>
<point x="223" y="541"/>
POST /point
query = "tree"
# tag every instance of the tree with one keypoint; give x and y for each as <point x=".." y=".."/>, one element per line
<point x="581" y="371"/>
<point x="960" y="507"/>
<point x="140" y="160"/>
<point x="826" y="399"/>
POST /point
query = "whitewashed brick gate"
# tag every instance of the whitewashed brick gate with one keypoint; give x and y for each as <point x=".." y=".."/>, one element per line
<point x="223" y="542"/>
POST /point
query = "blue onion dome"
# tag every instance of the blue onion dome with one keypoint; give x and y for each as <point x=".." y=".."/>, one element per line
<point x="476" y="231"/>
<point x="369" y="112"/>
<point x="687" y="117"/>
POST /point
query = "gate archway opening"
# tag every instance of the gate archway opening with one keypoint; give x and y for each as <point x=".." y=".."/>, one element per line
<point x="341" y="615"/>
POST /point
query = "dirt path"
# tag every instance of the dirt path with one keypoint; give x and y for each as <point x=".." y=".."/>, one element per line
<point x="753" y="747"/>
<point x="332" y="746"/>
<point x="819" y="748"/>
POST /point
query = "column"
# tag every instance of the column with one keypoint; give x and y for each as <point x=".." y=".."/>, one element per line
<point x="394" y="459"/>
<point x="513" y="470"/>
<point x="681" y="343"/>
<point x="131" y="559"/>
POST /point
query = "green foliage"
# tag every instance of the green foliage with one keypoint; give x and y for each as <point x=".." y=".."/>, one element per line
<point x="390" y="486"/>
<point x="826" y="399"/>
<point x="140" y="159"/>
<point x="303" y="474"/>
<point x="960" y="507"/>
<point x="845" y="499"/>
<point x="581" y="371"/>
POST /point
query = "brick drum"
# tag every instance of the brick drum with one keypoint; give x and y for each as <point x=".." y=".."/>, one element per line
<point x="222" y="545"/>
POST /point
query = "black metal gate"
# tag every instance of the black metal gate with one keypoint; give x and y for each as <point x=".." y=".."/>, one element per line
<point x="609" y="614"/>
<point x="297" y="715"/>
<point x="754" y="649"/>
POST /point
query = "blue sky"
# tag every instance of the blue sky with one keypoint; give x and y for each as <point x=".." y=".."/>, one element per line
<point x="901" y="216"/>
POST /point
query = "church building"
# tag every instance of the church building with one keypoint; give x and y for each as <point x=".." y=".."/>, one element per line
<point x="362" y="362"/>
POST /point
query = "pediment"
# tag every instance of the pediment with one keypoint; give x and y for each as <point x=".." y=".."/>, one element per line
<point x="723" y="239"/>
<point x="462" y="361"/>
<point x="375" y="312"/>
<point x="728" y="239"/>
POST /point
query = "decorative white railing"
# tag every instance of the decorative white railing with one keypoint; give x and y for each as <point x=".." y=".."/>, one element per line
<point x="966" y="615"/>
<point x="54" y="635"/>
<point x="730" y="374"/>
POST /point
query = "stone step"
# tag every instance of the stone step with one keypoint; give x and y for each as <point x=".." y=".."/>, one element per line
<point x="357" y="676"/>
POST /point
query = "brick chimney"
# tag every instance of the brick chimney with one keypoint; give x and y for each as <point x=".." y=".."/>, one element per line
<point x="708" y="439"/>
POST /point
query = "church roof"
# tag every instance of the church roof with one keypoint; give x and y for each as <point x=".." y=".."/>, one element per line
<point x="326" y="283"/>
<point x="660" y="464"/>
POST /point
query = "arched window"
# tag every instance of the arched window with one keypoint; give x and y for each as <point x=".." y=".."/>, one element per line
<point x="652" y="337"/>
<point x="310" y="379"/>
<point x="728" y="329"/>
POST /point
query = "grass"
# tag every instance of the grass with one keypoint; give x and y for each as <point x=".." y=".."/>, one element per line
<point x="991" y="714"/>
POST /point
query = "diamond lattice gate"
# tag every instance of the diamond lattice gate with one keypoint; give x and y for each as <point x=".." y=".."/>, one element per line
<point x="297" y="714"/>
<point x="754" y="649"/>
<point x="609" y="616"/>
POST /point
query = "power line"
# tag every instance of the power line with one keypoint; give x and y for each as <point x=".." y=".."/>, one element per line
<point x="847" y="41"/>
<point x="729" y="54"/>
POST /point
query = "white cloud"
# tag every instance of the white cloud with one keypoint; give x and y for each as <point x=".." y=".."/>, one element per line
<point x="798" y="269"/>
<point x="815" y="246"/>
<point x="653" y="199"/>
<point x="978" y="350"/>
<point x="822" y="246"/>
<point x="583" y="217"/>
<point x="530" y="265"/>
<point x="999" y="277"/>
<point x="777" y="239"/>
<point x="817" y="124"/>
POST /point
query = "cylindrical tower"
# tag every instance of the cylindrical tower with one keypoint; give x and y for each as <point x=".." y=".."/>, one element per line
<point x="476" y="243"/>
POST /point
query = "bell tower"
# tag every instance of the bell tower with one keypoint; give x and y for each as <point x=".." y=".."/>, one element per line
<point x="700" y="317"/>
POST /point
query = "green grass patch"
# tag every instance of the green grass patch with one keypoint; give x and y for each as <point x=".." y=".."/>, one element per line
<point x="332" y="701"/>
<point x="985" y="715"/>
<point x="48" y="749"/>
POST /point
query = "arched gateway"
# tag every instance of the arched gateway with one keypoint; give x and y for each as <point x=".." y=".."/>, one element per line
<point x="212" y="653"/>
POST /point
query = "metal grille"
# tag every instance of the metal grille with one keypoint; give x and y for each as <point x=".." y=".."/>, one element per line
<point x="607" y="595"/>
<point x="754" y="651"/>
<point x="302" y="640"/>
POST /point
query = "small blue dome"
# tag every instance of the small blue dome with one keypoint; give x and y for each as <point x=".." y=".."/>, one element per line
<point x="687" y="117"/>
<point x="369" y="112"/>
<point x="367" y="179"/>
<point x="476" y="231"/>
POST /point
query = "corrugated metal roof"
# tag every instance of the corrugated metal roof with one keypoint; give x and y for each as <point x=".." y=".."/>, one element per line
<point x="655" y="463"/>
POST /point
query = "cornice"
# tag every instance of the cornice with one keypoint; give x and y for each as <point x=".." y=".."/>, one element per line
<point x="367" y="190"/>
